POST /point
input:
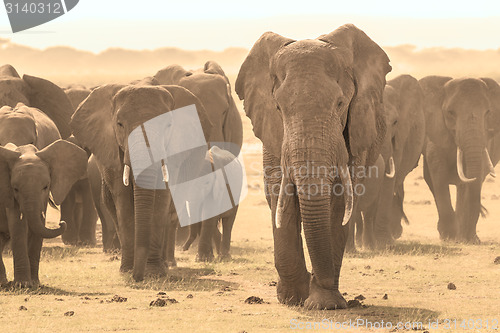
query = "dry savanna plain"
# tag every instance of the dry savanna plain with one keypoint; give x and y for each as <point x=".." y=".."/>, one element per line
<point x="407" y="284"/>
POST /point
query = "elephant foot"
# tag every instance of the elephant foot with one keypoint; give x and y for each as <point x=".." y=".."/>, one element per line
<point x="171" y="262"/>
<point x="3" y="281"/>
<point x="294" y="293"/>
<point x="204" y="257"/>
<point x="324" y="299"/>
<point x="186" y="247"/>
<point x="350" y="248"/>
<point x="224" y="257"/>
<point x="384" y="243"/>
<point x="156" y="270"/>
<point x="87" y="243"/>
<point x="71" y="242"/>
<point x="22" y="284"/>
<point x="126" y="267"/>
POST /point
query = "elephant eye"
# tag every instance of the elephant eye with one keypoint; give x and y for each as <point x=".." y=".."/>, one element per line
<point x="119" y="124"/>
<point x="452" y="113"/>
<point x="16" y="189"/>
<point x="395" y="122"/>
<point x="46" y="187"/>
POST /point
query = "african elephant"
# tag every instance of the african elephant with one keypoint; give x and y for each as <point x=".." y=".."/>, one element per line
<point x="52" y="101"/>
<point x="401" y="150"/>
<point x="103" y="123"/>
<point x="78" y="210"/>
<point x="316" y="105"/>
<point x="27" y="177"/>
<point x="462" y="117"/>
<point x="210" y="196"/>
<point x="212" y="87"/>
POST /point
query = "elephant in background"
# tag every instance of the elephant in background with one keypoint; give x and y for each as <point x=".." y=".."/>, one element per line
<point x="78" y="210"/>
<point x="211" y="85"/>
<point x="316" y="105"/>
<point x="401" y="150"/>
<point x="462" y="124"/>
<point x="103" y="124"/>
<point x="26" y="178"/>
<point x="211" y="196"/>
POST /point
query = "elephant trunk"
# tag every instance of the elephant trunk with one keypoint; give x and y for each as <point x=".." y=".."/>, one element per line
<point x="470" y="152"/>
<point x="36" y="223"/>
<point x="144" y="201"/>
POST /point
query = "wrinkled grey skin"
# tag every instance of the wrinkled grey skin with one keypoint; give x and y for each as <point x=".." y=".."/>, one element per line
<point x="317" y="102"/>
<point x="26" y="178"/>
<point x="212" y="87"/>
<point x="460" y="114"/>
<point x="403" y="142"/>
<point x="103" y="123"/>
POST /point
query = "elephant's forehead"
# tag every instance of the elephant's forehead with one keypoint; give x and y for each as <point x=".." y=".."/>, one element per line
<point x="12" y="91"/>
<point x="31" y="167"/>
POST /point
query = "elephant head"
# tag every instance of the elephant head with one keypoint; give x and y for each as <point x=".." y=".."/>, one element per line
<point x="36" y="92"/>
<point x="76" y="95"/>
<point x="316" y="105"/>
<point x="463" y="115"/>
<point x="24" y="125"/>
<point x="104" y="123"/>
<point x="28" y="175"/>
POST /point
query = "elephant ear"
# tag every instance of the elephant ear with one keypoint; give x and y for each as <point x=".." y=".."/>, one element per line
<point x="370" y="65"/>
<point x="493" y="120"/>
<point x="8" y="156"/>
<point x="52" y="100"/>
<point x="8" y="70"/>
<point x="211" y="67"/>
<point x="254" y="86"/>
<point x="183" y="97"/>
<point x="434" y="93"/>
<point x="67" y="163"/>
<point x="171" y="74"/>
<point x="92" y="125"/>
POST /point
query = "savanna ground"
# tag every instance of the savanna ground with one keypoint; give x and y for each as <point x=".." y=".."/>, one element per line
<point x="80" y="284"/>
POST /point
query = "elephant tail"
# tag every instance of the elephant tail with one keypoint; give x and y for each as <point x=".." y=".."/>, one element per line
<point x="483" y="211"/>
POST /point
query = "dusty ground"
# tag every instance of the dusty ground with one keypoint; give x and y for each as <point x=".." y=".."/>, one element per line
<point x="80" y="284"/>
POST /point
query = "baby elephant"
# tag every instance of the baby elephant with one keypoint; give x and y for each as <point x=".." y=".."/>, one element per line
<point x="27" y="175"/>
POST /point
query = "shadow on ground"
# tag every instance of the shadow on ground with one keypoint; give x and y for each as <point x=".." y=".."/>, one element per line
<point x="43" y="290"/>
<point x="411" y="248"/>
<point x="183" y="278"/>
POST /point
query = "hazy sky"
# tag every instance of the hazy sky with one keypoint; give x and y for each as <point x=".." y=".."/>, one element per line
<point x="147" y="24"/>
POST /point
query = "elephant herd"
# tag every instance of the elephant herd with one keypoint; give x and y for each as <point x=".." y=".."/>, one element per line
<point x="329" y="123"/>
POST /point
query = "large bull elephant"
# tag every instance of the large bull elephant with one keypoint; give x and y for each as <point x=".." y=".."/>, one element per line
<point x="27" y="176"/>
<point x="212" y="87"/>
<point x="403" y="144"/>
<point x="462" y="119"/>
<point x="316" y="105"/>
<point x="103" y="124"/>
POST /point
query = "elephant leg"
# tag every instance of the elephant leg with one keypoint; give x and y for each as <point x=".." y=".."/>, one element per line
<point x="289" y="260"/>
<point x="89" y="215"/>
<point x="467" y="211"/>
<point x="194" y="231"/>
<point x="358" y="226"/>
<point x="368" y="222"/>
<point x="382" y="227"/>
<point x="125" y="220"/>
<point x="227" y="229"/>
<point x="109" y="223"/>
<point x="3" y="273"/>
<point x="171" y="235"/>
<point x="205" y="249"/>
<point x="397" y="212"/>
<point x="217" y="237"/>
<point x="70" y="235"/>
<point x="437" y="173"/>
<point x="18" y="230"/>
<point x="34" y="250"/>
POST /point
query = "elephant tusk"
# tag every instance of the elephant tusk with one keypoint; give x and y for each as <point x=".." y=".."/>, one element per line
<point x="460" y="168"/>
<point x="279" y="207"/>
<point x="188" y="210"/>
<point x="126" y="175"/>
<point x="490" y="164"/>
<point x="164" y="171"/>
<point x="349" y="200"/>
<point x="22" y="216"/>
<point x="392" y="169"/>
<point x="43" y="216"/>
